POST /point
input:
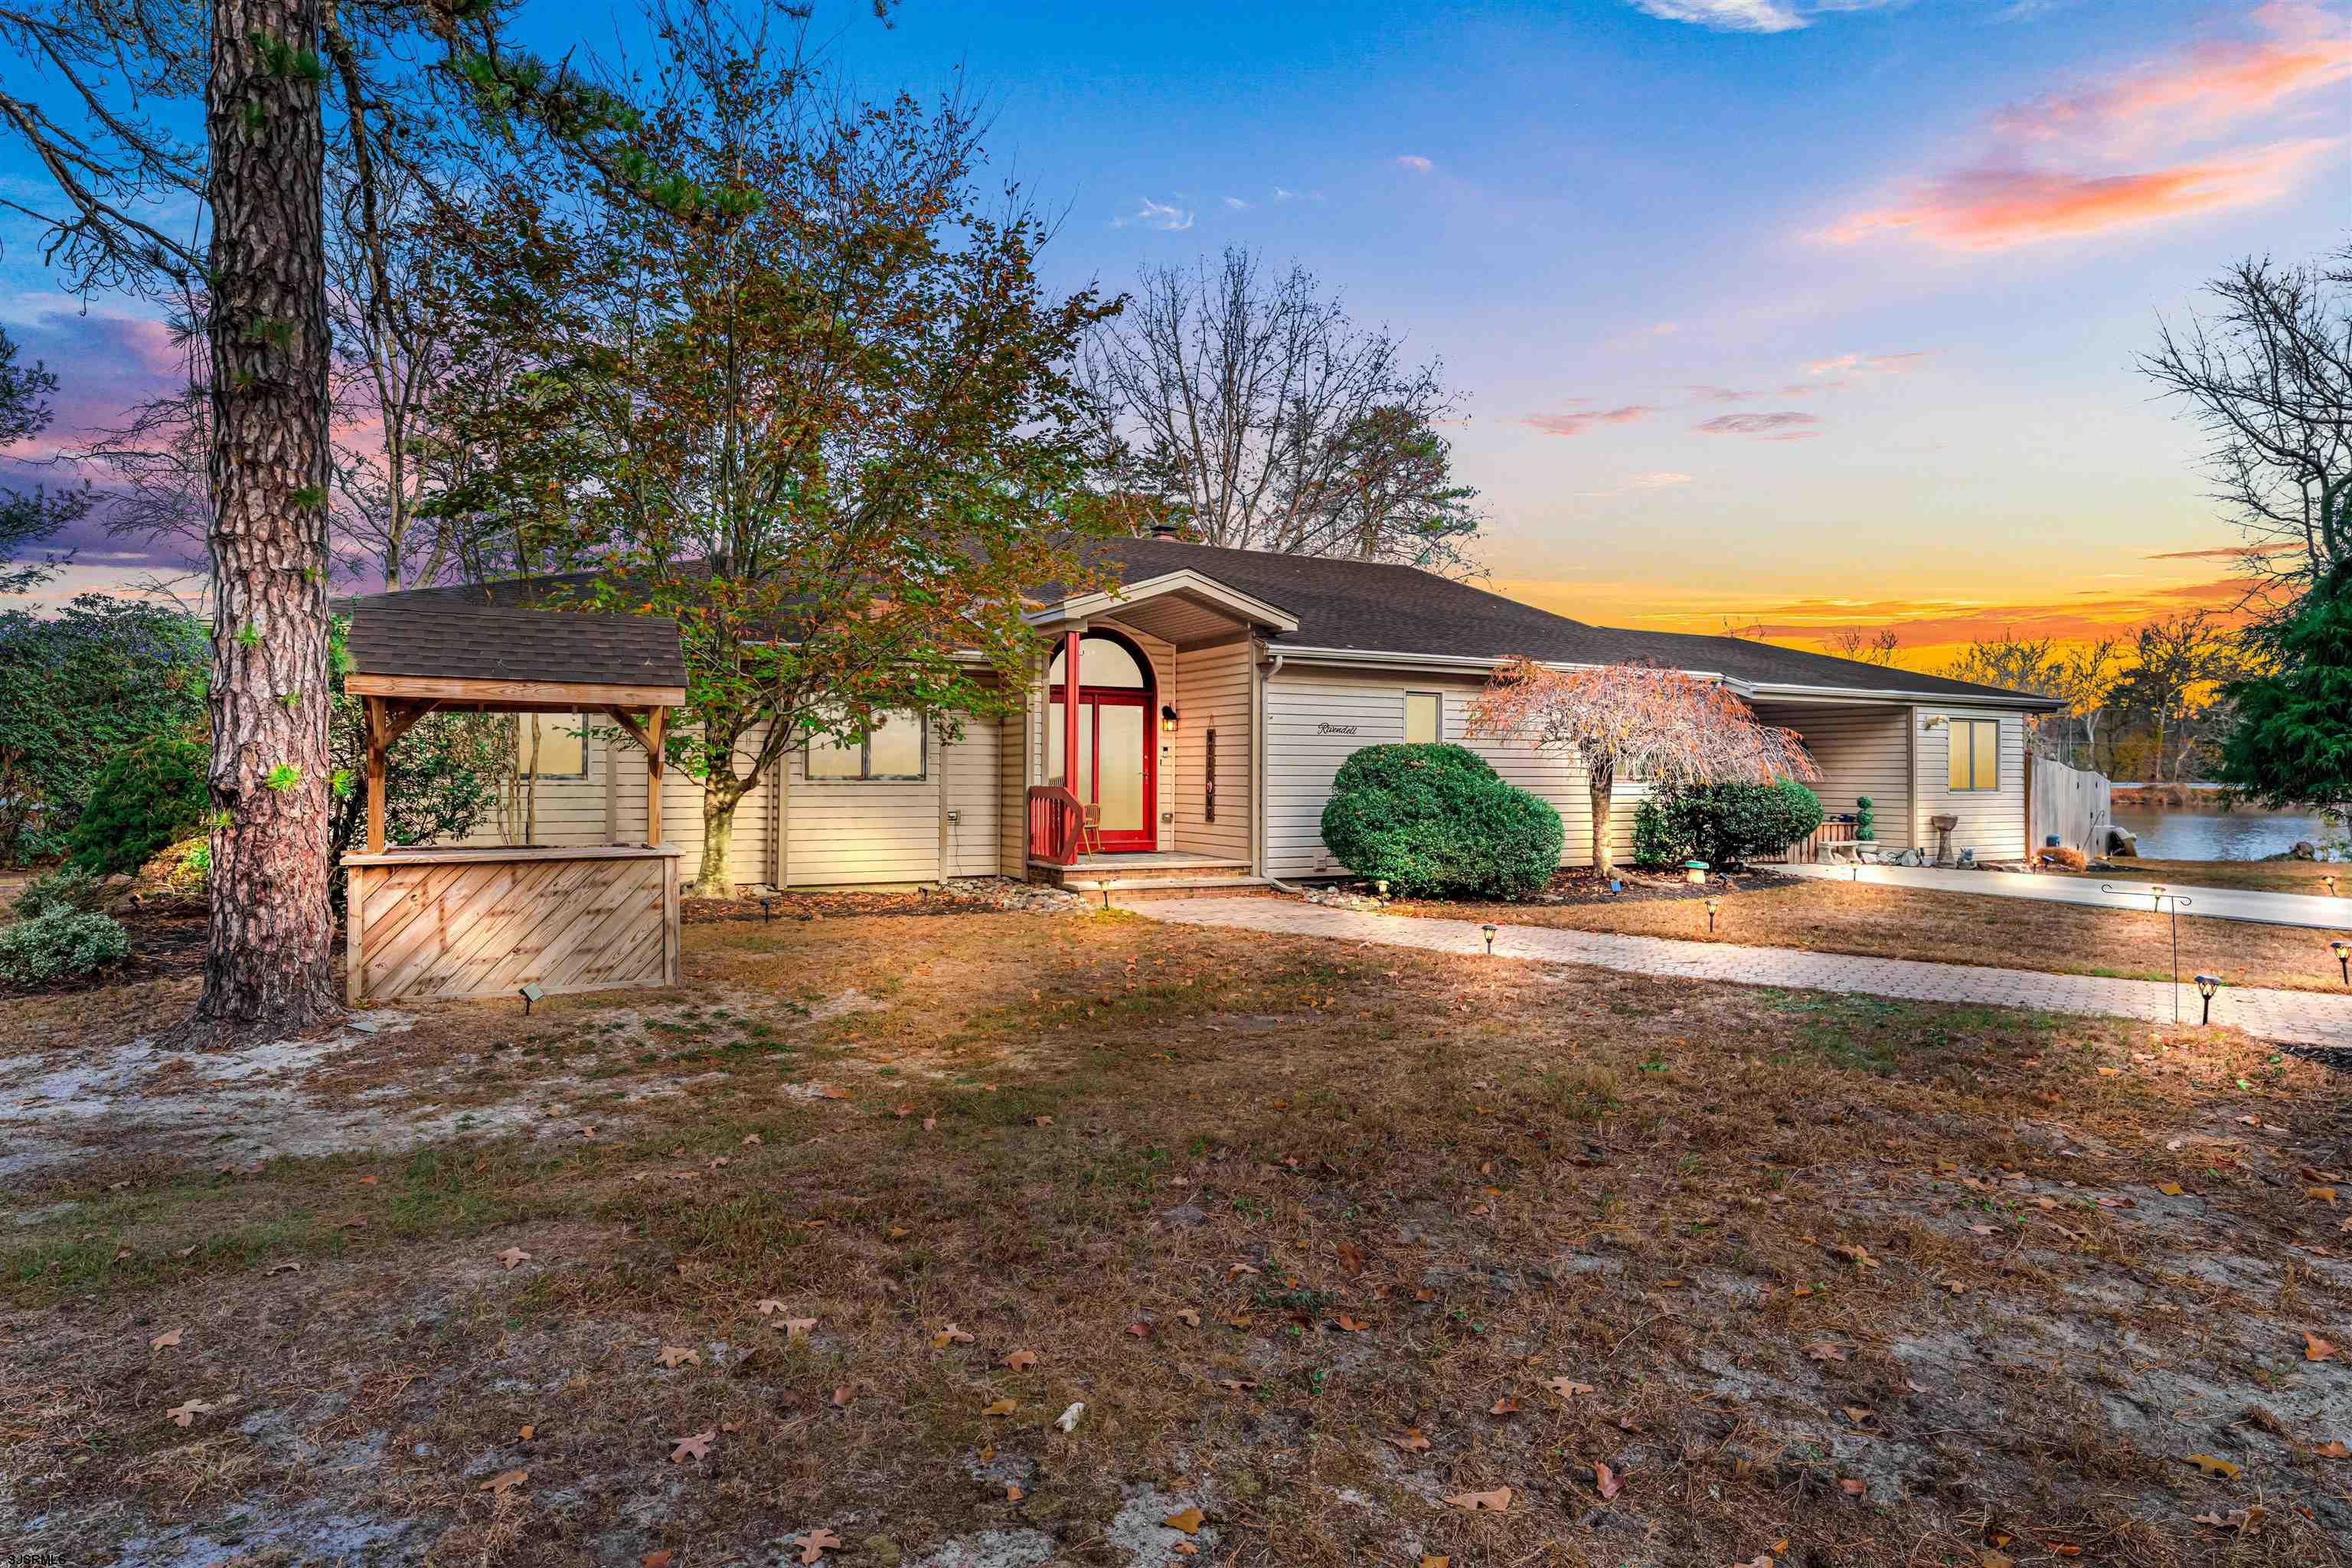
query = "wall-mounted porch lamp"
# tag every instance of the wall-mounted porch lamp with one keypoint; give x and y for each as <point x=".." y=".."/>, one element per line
<point x="2206" y="985"/>
<point x="1167" y="718"/>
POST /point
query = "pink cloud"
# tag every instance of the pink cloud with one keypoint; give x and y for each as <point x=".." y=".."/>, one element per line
<point x="2208" y="86"/>
<point x="1579" y="423"/>
<point x="1994" y="207"/>
<point x="1879" y="362"/>
<point x="2074" y="161"/>
<point x="1786" y="425"/>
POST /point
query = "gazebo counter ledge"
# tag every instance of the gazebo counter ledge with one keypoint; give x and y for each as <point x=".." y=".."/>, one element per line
<point x="451" y="922"/>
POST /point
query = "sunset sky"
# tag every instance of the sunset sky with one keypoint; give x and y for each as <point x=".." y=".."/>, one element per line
<point x="1804" y="313"/>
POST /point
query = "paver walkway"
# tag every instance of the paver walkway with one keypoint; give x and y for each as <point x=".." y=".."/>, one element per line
<point x="2315" y="909"/>
<point x="2299" y="1017"/>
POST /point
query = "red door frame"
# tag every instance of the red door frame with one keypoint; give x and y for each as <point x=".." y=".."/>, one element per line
<point x="1146" y="837"/>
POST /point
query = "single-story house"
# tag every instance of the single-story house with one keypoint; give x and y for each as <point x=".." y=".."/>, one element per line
<point x="1217" y="692"/>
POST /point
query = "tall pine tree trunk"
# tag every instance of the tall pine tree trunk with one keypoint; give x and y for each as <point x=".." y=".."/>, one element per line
<point x="267" y="966"/>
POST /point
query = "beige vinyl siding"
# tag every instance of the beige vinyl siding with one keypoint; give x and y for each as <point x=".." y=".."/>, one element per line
<point x="1213" y="693"/>
<point x="971" y="791"/>
<point x="1012" y="800"/>
<point x="842" y="832"/>
<point x="1860" y="750"/>
<point x="1316" y="718"/>
<point x="1992" y="822"/>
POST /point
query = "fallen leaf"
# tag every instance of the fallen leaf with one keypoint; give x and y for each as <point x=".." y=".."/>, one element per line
<point x="2317" y="1349"/>
<point x="1191" y="1318"/>
<point x="814" y="1544"/>
<point x="2062" y="1550"/>
<point x="2334" y="1451"/>
<point x="504" y="1482"/>
<point x="1988" y="1558"/>
<point x="951" y="1335"/>
<point x="285" y="1268"/>
<point x="512" y="1255"/>
<point x="1011" y="1492"/>
<point x="1352" y="1257"/>
<point x="679" y="1355"/>
<point x="1348" y="1325"/>
<point x="697" y="1447"/>
<point x="1853" y="1488"/>
<point x="999" y="1407"/>
<point x="654" y="1559"/>
<point x="527" y="1433"/>
<point x="1605" y="1481"/>
<point x="1188" y="1519"/>
<point x="750" y="1140"/>
<point x="898" y="1232"/>
<point x="186" y="1412"/>
<point x="1824" y="1351"/>
<point x="1567" y="1388"/>
<point x="2245" y="1520"/>
<point x="1438" y="1562"/>
<point x="798" y="1327"/>
<point x="930" y="1123"/>
<point x="1413" y="1442"/>
<point x="1236" y="1384"/>
<point x="2219" y="1470"/>
<point x="2169" y="1189"/>
<point x="1507" y="1405"/>
<point x="1860" y="1416"/>
<point x="166" y="1341"/>
<point x="1495" y="1501"/>
<point x="2321" y="1194"/>
<point x="1045" y="1122"/>
<point x="841" y="1397"/>
<point x="1022" y="1361"/>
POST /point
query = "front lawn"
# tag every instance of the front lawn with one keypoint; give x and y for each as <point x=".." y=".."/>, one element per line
<point x="1351" y="1256"/>
<point x="1949" y="928"/>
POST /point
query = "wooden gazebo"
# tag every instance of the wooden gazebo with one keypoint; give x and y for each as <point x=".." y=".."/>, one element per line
<point x="466" y="920"/>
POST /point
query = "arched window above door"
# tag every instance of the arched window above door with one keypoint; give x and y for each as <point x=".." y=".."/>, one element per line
<point x="1105" y="661"/>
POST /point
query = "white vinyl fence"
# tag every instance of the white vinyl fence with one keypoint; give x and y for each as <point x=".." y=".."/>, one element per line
<point x="2071" y="804"/>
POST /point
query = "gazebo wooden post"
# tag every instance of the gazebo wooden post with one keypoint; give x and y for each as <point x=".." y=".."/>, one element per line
<point x="375" y="768"/>
<point x="656" y="721"/>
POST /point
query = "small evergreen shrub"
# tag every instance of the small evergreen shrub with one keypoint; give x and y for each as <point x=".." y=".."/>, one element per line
<point x="67" y="887"/>
<point x="1435" y="819"/>
<point x="146" y="798"/>
<point x="60" y="944"/>
<point x="1724" y="824"/>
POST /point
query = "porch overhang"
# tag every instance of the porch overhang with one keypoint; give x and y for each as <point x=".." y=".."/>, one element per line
<point x="1185" y="609"/>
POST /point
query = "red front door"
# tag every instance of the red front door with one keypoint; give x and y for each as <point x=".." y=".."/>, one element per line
<point x="1117" y="768"/>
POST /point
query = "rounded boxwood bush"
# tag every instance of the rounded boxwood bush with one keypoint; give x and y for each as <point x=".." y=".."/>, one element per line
<point x="1436" y="820"/>
<point x="147" y="797"/>
<point x="60" y="944"/>
<point x="66" y="888"/>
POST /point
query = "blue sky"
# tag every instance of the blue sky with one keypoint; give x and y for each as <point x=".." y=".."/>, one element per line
<point x="1756" y="305"/>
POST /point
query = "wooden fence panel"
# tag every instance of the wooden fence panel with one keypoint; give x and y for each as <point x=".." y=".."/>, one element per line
<point x="485" y="922"/>
<point x="2075" y="804"/>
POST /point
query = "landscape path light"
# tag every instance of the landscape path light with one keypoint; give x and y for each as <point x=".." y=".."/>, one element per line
<point x="1712" y="905"/>
<point x="2206" y="985"/>
<point x="2343" y="952"/>
<point x="1490" y="928"/>
<point x="530" y="993"/>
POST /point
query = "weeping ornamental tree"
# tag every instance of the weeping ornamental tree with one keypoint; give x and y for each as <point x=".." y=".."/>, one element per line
<point x="1672" y="730"/>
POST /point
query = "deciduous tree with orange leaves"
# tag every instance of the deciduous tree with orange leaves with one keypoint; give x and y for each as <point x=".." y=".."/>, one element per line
<point x="1670" y="728"/>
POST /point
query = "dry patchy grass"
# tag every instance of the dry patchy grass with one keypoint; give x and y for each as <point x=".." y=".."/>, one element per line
<point x="1886" y="1283"/>
<point x="2250" y="876"/>
<point x="1951" y="928"/>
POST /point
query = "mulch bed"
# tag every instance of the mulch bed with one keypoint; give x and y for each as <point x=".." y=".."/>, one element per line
<point x="1579" y="886"/>
<point x="167" y="941"/>
<point x="833" y="906"/>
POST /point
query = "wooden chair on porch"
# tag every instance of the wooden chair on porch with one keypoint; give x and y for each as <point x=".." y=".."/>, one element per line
<point x="1090" y="829"/>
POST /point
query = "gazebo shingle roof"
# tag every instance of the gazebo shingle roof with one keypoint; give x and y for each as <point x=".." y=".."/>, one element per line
<point x="447" y="638"/>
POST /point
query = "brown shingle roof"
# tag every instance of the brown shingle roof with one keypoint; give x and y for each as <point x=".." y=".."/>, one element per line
<point x="442" y="637"/>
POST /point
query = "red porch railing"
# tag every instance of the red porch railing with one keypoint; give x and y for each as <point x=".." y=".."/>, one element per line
<point x="1056" y="822"/>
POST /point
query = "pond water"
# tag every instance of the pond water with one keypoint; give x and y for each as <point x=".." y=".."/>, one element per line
<point x="2208" y="833"/>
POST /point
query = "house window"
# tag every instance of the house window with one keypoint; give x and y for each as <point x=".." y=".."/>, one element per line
<point x="552" y="745"/>
<point x="1976" y="754"/>
<point x="896" y="749"/>
<point x="1424" y="717"/>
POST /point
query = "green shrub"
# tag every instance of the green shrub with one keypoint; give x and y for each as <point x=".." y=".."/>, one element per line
<point x="60" y="944"/>
<point x="1656" y="844"/>
<point x="1397" y="767"/>
<point x="147" y="797"/>
<point x="67" y="887"/>
<point x="1435" y="819"/>
<point x="1724" y="823"/>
